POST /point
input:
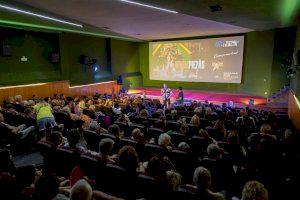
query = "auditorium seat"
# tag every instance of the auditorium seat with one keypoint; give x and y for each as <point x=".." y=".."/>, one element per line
<point x="153" y="149"/>
<point x="177" y="137"/>
<point x="185" y="163"/>
<point x="134" y="126"/>
<point x="66" y="161"/>
<point x="65" y="119"/>
<point x="128" y="141"/>
<point x="187" y="118"/>
<point x="154" y="133"/>
<point x="118" y="182"/>
<point x="91" y="165"/>
<point x="153" y="120"/>
<point x="193" y="130"/>
<point x="172" y="125"/>
<point x="204" y="123"/>
<point x="184" y="192"/>
<point x="199" y="145"/>
<point x="92" y="138"/>
<point x="123" y="126"/>
<point x="156" y="115"/>
<point x="214" y="133"/>
<point x="152" y="189"/>
<point x="49" y="153"/>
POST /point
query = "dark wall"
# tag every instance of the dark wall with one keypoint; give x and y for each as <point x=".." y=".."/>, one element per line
<point x="35" y="46"/>
<point x="126" y="62"/>
<point x="74" y="45"/>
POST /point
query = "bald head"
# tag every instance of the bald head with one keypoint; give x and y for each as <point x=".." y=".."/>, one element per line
<point x="81" y="191"/>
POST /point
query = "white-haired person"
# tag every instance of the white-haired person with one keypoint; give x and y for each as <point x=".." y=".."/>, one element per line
<point x="202" y="180"/>
<point x="105" y="148"/>
<point x="164" y="140"/>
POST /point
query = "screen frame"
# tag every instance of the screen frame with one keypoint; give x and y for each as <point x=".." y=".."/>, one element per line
<point x="199" y="39"/>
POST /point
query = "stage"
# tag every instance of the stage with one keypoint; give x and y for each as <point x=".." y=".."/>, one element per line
<point x="214" y="97"/>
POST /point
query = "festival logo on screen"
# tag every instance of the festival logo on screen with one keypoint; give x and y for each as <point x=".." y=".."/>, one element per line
<point x="226" y="43"/>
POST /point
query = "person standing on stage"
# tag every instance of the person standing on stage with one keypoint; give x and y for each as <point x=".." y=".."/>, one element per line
<point x="166" y="95"/>
<point x="180" y="96"/>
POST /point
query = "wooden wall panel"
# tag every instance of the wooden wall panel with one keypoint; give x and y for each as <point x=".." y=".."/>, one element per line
<point x="48" y="89"/>
<point x="294" y="110"/>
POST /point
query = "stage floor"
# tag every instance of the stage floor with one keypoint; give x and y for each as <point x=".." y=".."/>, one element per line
<point x="214" y="97"/>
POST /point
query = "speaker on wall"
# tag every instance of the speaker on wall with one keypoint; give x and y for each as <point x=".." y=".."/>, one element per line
<point x="85" y="60"/>
<point x="6" y="50"/>
<point x="119" y="80"/>
<point x="297" y="57"/>
<point x="54" y="57"/>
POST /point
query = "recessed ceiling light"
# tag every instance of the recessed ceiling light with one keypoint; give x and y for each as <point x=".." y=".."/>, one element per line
<point x="149" y="6"/>
<point x="38" y="15"/>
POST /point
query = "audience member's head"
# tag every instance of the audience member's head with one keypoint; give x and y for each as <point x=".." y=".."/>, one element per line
<point x="195" y="120"/>
<point x="203" y="133"/>
<point x="144" y="113"/>
<point x="1" y="118"/>
<point x="254" y="190"/>
<point x="56" y="138"/>
<point x="73" y="138"/>
<point x="128" y="158"/>
<point x="114" y="129"/>
<point x="47" y="187"/>
<point x="164" y="139"/>
<point x="214" y="151"/>
<point x="183" y="146"/>
<point x="81" y="190"/>
<point x="138" y="135"/>
<point x="155" y="167"/>
<point x="233" y="138"/>
<point x="105" y="146"/>
<point x="202" y="178"/>
<point x="266" y="129"/>
<point x="25" y="176"/>
<point x="184" y="129"/>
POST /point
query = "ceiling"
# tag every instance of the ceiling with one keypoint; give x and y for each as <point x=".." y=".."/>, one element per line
<point x="194" y="17"/>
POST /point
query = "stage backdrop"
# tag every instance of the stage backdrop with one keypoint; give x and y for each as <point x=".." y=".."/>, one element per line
<point x="203" y="60"/>
<point x="256" y="73"/>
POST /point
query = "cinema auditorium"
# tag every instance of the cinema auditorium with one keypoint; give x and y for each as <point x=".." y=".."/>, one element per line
<point x="152" y="100"/>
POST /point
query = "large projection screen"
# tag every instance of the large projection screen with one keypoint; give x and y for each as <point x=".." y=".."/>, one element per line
<point x="218" y="60"/>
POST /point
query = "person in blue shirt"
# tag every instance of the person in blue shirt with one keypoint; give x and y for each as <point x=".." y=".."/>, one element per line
<point x="180" y="96"/>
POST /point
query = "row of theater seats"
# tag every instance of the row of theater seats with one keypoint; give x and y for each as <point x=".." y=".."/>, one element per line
<point x="185" y="162"/>
<point x="114" y="179"/>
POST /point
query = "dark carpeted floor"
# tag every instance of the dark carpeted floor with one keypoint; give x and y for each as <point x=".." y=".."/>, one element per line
<point x="33" y="158"/>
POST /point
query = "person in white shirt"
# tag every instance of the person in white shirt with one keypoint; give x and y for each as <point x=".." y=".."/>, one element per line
<point x="166" y="94"/>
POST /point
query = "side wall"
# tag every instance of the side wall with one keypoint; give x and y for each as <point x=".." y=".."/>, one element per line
<point x="126" y="62"/>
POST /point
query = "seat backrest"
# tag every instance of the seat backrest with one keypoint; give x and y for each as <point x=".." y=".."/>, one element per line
<point x="185" y="163"/>
<point x="153" y="149"/>
<point x="214" y="133"/>
<point x="154" y="133"/>
<point x="150" y="188"/>
<point x="66" y="161"/>
<point x="119" y="182"/>
<point x="184" y="192"/>
<point x="172" y="125"/>
<point x="199" y="145"/>
<point x="128" y="141"/>
<point x="92" y="138"/>
<point x="91" y="166"/>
